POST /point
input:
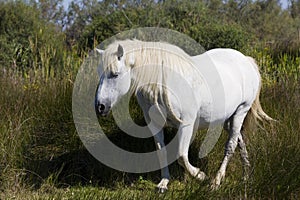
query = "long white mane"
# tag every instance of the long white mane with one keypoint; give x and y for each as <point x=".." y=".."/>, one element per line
<point x="151" y="64"/>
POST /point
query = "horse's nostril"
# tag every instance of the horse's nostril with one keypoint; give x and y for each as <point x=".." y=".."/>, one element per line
<point x="101" y="107"/>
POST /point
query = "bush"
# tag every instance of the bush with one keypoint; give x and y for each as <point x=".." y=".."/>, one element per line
<point x="29" y="42"/>
<point x="220" y="36"/>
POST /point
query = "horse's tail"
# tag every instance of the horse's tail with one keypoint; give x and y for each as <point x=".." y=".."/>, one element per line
<point x="256" y="113"/>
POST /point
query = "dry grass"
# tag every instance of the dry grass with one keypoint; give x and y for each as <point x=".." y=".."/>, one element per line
<point x="43" y="158"/>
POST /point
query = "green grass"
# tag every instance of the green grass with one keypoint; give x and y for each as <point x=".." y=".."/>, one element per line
<point x="41" y="156"/>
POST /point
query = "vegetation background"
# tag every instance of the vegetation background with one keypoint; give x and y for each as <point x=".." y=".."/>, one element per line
<point x="42" y="45"/>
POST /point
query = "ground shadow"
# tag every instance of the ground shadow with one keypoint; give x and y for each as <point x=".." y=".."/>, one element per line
<point x="79" y="167"/>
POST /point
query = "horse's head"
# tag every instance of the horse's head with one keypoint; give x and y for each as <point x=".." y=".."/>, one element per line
<point x="114" y="81"/>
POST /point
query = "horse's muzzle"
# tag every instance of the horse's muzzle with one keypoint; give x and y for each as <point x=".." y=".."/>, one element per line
<point x="102" y="110"/>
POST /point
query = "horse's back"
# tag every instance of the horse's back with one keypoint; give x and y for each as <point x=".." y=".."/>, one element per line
<point x="235" y="70"/>
<point x="235" y="76"/>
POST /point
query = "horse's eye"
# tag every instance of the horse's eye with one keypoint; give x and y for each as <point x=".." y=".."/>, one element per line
<point x="113" y="75"/>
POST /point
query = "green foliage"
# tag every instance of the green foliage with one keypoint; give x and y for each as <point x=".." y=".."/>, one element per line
<point x="18" y="24"/>
<point x="274" y="151"/>
<point x="295" y="8"/>
<point x="187" y="17"/>
<point x="221" y="36"/>
<point x="277" y="67"/>
<point x="28" y="42"/>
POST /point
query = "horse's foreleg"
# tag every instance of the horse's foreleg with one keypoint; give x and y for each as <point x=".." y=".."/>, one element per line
<point x="185" y="136"/>
<point x="162" y="156"/>
<point x="158" y="134"/>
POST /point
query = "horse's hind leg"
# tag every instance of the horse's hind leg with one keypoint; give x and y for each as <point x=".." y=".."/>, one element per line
<point x="235" y="138"/>
<point x="242" y="147"/>
<point x="244" y="156"/>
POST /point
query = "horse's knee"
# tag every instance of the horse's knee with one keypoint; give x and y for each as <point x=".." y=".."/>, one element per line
<point x="184" y="162"/>
<point x="180" y="161"/>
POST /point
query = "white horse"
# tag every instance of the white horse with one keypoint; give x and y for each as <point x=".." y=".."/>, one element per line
<point x="219" y="86"/>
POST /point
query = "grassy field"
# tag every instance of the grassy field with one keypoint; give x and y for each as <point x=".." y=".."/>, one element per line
<point x="42" y="157"/>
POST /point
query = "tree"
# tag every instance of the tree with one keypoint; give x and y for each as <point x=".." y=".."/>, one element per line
<point x="80" y="14"/>
<point x="51" y="10"/>
<point x="295" y="8"/>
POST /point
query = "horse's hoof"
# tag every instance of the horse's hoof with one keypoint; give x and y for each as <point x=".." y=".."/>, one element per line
<point x="215" y="185"/>
<point x="201" y="176"/>
<point x="163" y="186"/>
<point x="162" y="190"/>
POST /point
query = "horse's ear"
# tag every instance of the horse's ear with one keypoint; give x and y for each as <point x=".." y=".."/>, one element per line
<point x="120" y="52"/>
<point x="131" y="60"/>
<point x="100" y="51"/>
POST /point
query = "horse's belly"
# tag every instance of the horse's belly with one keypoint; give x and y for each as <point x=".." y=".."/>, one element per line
<point x="216" y="110"/>
<point x="204" y="121"/>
